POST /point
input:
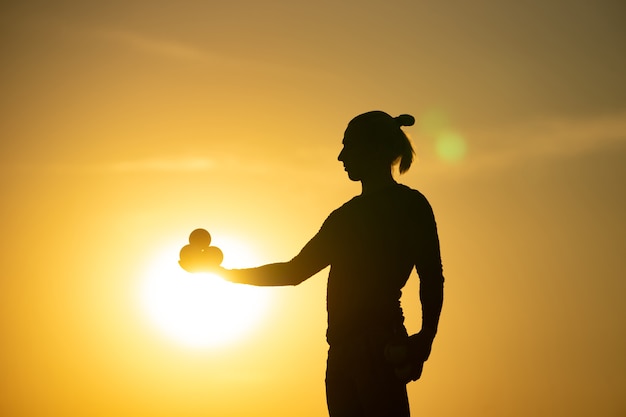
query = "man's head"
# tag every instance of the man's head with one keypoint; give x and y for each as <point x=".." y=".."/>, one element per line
<point x="373" y="142"/>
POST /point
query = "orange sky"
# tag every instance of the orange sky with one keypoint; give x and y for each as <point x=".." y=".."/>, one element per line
<point x="127" y="124"/>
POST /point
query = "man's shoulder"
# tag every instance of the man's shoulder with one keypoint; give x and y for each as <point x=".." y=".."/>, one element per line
<point x="411" y="195"/>
<point x="345" y="207"/>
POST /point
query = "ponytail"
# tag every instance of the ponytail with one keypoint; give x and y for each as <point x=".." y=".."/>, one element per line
<point x="405" y="147"/>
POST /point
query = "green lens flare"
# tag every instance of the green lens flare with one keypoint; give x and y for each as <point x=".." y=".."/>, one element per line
<point x="450" y="146"/>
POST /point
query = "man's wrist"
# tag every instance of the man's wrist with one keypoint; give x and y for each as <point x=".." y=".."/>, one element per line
<point x="429" y="331"/>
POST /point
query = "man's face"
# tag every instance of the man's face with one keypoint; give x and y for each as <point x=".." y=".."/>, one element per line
<point x="359" y="155"/>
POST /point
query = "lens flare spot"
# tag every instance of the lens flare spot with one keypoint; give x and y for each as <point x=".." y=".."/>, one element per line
<point x="450" y="146"/>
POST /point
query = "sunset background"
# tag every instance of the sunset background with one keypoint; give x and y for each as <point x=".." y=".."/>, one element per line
<point x="127" y="124"/>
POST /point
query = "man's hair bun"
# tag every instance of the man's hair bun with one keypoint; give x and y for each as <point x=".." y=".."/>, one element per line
<point x="405" y="120"/>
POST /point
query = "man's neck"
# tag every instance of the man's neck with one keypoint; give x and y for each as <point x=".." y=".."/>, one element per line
<point x="375" y="184"/>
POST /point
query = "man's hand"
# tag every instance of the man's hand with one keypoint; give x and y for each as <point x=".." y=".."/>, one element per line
<point x="420" y="345"/>
<point x="407" y="355"/>
<point x="191" y="266"/>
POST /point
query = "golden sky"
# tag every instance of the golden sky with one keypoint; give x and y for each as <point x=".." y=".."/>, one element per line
<point x="127" y="124"/>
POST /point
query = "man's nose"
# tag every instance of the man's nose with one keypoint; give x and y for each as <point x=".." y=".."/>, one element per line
<point x="340" y="156"/>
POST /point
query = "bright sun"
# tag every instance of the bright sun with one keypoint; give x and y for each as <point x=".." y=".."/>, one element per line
<point x="200" y="310"/>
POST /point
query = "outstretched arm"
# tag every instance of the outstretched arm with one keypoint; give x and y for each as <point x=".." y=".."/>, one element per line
<point x="270" y="275"/>
<point x="311" y="259"/>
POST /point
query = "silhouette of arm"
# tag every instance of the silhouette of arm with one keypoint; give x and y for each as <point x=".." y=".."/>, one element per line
<point x="431" y="297"/>
<point x="430" y="272"/>
<point x="311" y="259"/>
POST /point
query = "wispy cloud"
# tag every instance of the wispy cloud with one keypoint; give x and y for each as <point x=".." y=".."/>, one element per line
<point x="223" y="163"/>
<point x="163" y="165"/>
<point x="508" y="148"/>
<point x="160" y="47"/>
<point x="199" y="53"/>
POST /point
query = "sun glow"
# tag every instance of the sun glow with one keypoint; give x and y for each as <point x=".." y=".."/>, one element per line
<point x="199" y="310"/>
